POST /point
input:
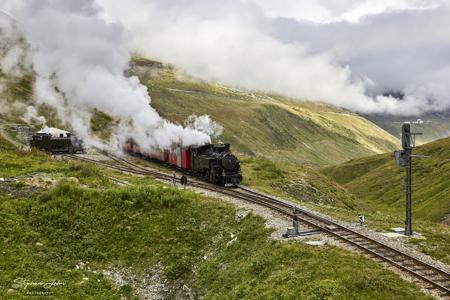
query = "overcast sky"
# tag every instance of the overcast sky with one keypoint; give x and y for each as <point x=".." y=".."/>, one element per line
<point x="343" y="52"/>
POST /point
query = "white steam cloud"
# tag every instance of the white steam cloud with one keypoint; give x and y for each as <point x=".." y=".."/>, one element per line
<point x="347" y="53"/>
<point x="14" y="56"/>
<point x="204" y="124"/>
<point x="79" y="62"/>
<point x="31" y="116"/>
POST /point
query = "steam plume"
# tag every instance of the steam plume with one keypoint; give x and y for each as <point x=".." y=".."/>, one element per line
<point x="79" y="61"/>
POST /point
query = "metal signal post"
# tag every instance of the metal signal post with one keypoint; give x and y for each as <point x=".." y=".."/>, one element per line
<point x="408" y="189"/>
<point x="407" y="147"/>
<point x="404" y="159"/>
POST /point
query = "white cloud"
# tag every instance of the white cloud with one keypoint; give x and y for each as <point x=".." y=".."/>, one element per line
<point x="232" y="48"/>
<point x="344" y="54"/>
<point x="374" y="7"/>
<point x="406" y="51"/>
<point x="313" y="10"/>
<point x="329" y="11"/>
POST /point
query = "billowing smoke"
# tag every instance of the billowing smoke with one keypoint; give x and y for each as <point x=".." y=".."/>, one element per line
<point x="31" y="116"/>
<point x="14" y="55"/>
<point x="347" y="53"/>
<point x="204" y="124"/>
<point x="78" y="61"/>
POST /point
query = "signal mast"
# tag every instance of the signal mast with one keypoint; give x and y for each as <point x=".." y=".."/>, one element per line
<point x="404" y="159"/>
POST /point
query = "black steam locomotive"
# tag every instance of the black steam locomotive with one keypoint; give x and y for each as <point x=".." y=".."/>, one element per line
<point x="217" y="164"/>
<point x="60" y="143"/>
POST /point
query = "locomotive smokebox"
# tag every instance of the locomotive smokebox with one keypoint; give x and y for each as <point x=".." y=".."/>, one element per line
<point x="229" y="162"/>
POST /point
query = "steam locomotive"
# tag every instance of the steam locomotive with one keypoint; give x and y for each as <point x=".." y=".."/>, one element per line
<point x="55" y="141"/>
<point x="213" y="162"/>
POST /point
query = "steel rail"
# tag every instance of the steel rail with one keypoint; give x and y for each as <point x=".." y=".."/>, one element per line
<point x="387" y="257"/>
<point x="341" y="227"/>
<point x="103" y="164"/>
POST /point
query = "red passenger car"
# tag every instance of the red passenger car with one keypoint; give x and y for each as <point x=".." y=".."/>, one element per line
<point x="214" y="163"/>
<point x="186" y="158"/>
<point x="179" y="156"/>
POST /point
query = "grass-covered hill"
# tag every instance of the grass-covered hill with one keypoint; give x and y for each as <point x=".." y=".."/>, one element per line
<point x="259" y="124"/>
<point x="379" y="180"/>
<point x="69" y="232"/>
<point x="378" y="185"/>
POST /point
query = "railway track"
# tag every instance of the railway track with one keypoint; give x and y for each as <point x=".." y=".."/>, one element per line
<point x="431" y="277"/>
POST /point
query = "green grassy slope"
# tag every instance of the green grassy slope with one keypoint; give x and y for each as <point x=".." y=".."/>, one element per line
<point x="299" y="183"/>
<point x="47" y="231"/>
<point x="378" y="179"/>
<point x="266" y="125"/>
<point x="378" y="184"/>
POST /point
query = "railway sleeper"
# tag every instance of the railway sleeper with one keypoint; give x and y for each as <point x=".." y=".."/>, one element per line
<point x="441" y="280"/>
<point x="421" y="271"/>
<point x="350" y="238"/>
<point x="386" y="253"/>
<point x="413" y="267"/>
<point x="432" y="273"/>
<point x="409" y="262"/>
<point x="359" y="239"/>
<point x="365" y="243"/>
<point x="374" y="248"/>
<point x="398" y="261"/>
<point x="431" y="287"/>
<point x="344" y="233"/>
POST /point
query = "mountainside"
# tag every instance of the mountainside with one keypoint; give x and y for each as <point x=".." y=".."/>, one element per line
<point x="433" y="125"/>
<point x="377" y="185"/>
<point x="256" y="124"/>
<point x="377" y="179"/>
<point x="267" y="125"/>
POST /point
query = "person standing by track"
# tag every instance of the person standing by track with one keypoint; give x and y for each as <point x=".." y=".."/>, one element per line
<point x="184" y="181"/>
